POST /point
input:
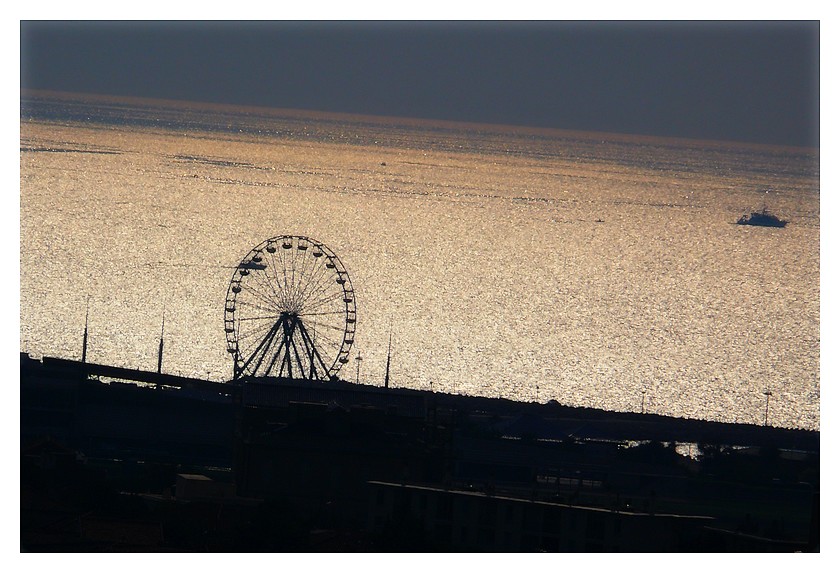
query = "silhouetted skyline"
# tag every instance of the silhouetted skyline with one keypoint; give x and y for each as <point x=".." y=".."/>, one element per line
<point x="741" y="81"/>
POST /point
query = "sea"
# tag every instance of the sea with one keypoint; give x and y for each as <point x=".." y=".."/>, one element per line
<point x="591" y="269"/>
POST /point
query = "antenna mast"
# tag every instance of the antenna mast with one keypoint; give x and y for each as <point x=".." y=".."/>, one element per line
<point x="85" y="336"/>
<point x="160" y="346"/>
<point x="388" y="363"/>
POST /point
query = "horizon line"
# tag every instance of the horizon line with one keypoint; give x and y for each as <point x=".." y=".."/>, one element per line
<point x="413" y="121"/>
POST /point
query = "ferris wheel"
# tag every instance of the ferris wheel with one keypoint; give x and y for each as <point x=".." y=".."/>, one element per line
<point x="290" y="311"/>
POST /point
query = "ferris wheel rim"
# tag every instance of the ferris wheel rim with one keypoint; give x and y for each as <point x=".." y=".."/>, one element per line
<point x="297" y="309"/>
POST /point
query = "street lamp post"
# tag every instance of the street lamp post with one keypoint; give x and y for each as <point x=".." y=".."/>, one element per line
<point x="767" y="393"/>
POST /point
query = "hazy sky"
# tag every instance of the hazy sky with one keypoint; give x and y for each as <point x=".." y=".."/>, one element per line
<point x="744" y="81"/>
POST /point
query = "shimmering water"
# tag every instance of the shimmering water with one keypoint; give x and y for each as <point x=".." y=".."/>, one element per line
<point x="590" y="269"/>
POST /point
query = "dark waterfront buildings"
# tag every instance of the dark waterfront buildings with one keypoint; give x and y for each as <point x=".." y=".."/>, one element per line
<point x="119" y="460"/>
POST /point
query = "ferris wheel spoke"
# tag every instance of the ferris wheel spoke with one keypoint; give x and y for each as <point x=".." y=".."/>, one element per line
<point x="304" y="278"/>
<point x="329" y="320"/>
<point x="246" y="336"/>
<point x="260" y="295"/>
<point x="292" y="271"/>
<point x="253" y="331"/>
<point x="326" y="309"/>
<point x="255" y="321"/>
<point x="277" y="282"/>
<point x="322" y="351"/>
<point x="327" y="337"/>
<point x="325" y="325"/>
<point x="316" y="275"/>
<point x="325" y="313"/>
<point x="322" y="324"/>
<point x="324" y="301"/>
<point x="251" y="303"/>
<point x="245" y="329"/>
<point x="324" y="344"/>
<point x="267" y="317"/>
<point x="247" y="352"/>
<point x="309" y="303"/>
<point x="267" y="286"/>
<point x="249" y="344"/>
<point x="255" y="305"/>
<point x="318" y="286"/>
<point x="284" y="287"/>
<point x="299" y="271"/>
<point x="319" y="271"/>
<point x="264" y="287"/>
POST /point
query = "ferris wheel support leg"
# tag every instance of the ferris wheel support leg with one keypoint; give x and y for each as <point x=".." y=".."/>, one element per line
<point x="262" y="348"/>
<point x="310" y="347"/>
<point x="287" y="355"/>
<point x="296" y="353"/>
<point x="274" y="359"/>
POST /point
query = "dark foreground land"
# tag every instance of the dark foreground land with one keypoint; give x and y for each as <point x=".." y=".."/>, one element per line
<point x="177" y="464"/>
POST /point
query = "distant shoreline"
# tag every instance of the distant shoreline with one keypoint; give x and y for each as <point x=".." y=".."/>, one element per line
<point x="412" y="122"/>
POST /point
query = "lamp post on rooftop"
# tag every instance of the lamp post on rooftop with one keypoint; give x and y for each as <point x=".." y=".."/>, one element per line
<point x="767" y="393"/>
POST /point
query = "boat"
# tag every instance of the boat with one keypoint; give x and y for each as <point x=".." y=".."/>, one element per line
<point x="761" y="219"/>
